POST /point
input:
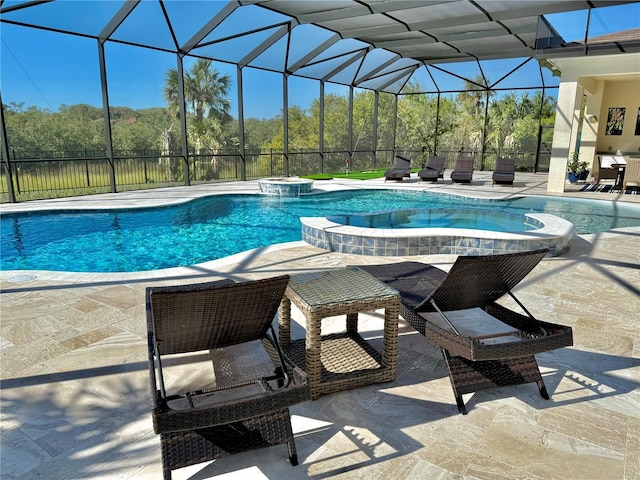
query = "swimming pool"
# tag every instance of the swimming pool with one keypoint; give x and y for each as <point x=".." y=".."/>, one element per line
<point x="214" y="227"/>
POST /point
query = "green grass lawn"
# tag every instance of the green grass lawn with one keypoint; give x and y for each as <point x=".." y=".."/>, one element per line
<point x="354" y="175"/>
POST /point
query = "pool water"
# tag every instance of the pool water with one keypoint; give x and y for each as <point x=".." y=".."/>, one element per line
<point x="214" y="227"/>
<point x="470" y="218"/>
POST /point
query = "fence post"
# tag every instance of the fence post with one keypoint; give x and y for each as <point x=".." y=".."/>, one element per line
<point x="243" y="159"/>
<point x="187" y="170"/>
<point x="17" y="175"/>
<point x="86" y="166"/>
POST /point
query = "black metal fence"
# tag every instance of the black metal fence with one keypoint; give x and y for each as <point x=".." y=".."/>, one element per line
<point x="59" y="174"/>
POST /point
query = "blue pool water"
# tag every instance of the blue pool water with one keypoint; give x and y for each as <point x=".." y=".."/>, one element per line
<point x="472" y="218"/>
<point x="215" y="227"/>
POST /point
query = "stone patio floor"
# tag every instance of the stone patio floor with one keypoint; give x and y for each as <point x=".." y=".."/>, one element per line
<point x="75" y="390"/>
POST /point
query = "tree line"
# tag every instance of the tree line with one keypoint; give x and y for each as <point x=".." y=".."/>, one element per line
<point x="450" y="122"/>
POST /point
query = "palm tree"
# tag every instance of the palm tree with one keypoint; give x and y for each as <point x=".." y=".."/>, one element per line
<point x="474" y="99"/>
<point x="205" y="96"/>
<point x="204" y="90"/>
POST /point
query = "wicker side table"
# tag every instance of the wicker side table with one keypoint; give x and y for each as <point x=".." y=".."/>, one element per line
<point x="341" y="361"/>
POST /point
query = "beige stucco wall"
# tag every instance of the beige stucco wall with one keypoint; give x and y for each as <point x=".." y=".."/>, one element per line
<point x="619" y="94"/>
<point x="608" y="81"/>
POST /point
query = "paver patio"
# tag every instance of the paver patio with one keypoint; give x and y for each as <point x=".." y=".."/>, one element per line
<point x="75" y="388"/>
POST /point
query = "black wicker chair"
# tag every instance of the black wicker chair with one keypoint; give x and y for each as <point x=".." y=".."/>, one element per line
<point x="433" y="170"/>
<point x="401" y="168"/>
<point x="219" y="382"/>
<point x="463" y="170"/>
<point x="605" y="171"/>
<point x="485" y="345"/>
<point x="504" y="172"/>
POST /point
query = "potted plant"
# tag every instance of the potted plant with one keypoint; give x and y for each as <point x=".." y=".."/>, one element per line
<point x="578" y="170"/>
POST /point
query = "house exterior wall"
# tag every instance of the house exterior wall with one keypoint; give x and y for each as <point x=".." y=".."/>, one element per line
<point x="620" y="94"/>
<point x="608" y="81"/>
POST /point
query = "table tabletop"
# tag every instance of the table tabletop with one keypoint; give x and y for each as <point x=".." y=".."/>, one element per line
<point x="338" y="286"/>
<point x="612" y="161"/>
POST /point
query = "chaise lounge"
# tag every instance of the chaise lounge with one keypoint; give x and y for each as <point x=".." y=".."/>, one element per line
<point x="401" y="168"/>
<point x="504" y="171"/>
<point x="220" y="383"/>
<point x="463" y="170"/>
<point x="433" y="170"/>
<point x="484" y="344"/>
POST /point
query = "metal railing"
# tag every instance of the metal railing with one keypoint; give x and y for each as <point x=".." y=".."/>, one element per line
<point x="52" y="174"/>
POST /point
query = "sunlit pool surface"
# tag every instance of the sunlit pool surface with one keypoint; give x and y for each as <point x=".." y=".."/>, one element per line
<point x="214" y="227"/>
<point x="475" y="219"/>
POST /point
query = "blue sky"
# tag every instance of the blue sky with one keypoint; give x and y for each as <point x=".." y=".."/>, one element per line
<point x="47" y="69"/>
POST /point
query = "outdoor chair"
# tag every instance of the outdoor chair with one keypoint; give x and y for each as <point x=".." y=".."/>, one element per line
<point x="484" y="344"/>
<point x="220" y="383"/>
<point x="433" y="170"/>
<point x="605" y="171"/>
<point x="632" y="174"/>
<point x="504" y="171"/>
<point x="463" y="170"/>
<point x="401" y="168"/>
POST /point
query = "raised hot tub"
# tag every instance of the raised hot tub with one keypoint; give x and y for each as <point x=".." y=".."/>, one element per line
<point x="549" y="231"/>
<point x="285" y="186"/>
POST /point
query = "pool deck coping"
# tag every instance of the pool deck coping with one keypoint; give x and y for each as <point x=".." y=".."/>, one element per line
<point x="532" y="184"/>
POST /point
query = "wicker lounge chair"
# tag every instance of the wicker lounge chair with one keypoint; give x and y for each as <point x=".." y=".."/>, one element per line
<point x="401" y="168"/>
<point x="222" y="329"/>
<point x="433" y="170"/>
<point x="484" y="344"/>
<point x="632" y="173"/>
<point x="504" y="171"/>
<point x="463" y="170"/>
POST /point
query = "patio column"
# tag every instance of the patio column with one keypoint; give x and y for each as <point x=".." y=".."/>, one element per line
<point x="564" y="133"/>
<point x="588" y="141"/>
